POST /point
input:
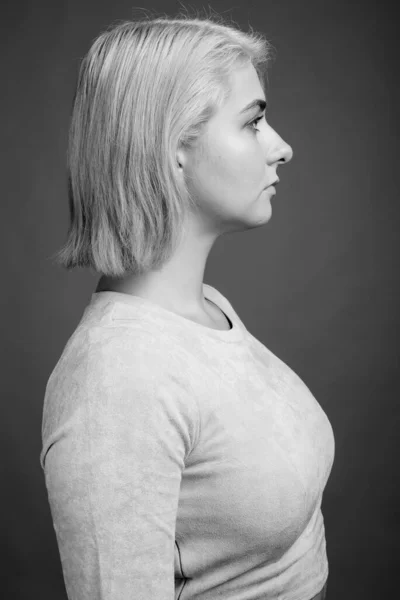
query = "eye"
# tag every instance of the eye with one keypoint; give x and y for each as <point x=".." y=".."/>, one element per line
<point x="254" y="122"/>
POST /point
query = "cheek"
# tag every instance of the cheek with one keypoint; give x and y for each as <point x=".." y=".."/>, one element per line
<point x="233" y="163"/>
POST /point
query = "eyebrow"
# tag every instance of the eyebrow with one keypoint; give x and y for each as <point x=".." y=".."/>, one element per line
<point x="258" y="102"/>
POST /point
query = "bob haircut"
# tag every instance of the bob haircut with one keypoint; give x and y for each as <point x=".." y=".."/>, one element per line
<point x="144" y="88"/>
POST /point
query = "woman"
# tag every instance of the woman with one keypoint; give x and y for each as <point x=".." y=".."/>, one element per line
<point x="182" y="458"/>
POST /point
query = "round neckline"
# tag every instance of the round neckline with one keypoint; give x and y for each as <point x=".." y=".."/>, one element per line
<point x="235" y="333"/>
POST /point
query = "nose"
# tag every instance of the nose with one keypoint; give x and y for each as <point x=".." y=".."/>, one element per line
<point x="279" y="151"/>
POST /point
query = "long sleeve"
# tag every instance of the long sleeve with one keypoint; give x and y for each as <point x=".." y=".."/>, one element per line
<point x="117" y="427"/>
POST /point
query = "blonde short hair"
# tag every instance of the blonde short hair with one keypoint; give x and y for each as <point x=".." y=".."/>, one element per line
<point x="144" y="88"/>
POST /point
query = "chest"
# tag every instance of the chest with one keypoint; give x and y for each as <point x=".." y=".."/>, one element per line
<point x="264" y="457"/>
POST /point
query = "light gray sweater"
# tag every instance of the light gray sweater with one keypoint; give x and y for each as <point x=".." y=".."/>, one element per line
<point x="182" y="462"/>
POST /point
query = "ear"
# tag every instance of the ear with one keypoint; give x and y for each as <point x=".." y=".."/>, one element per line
<point x="181" y="158"/>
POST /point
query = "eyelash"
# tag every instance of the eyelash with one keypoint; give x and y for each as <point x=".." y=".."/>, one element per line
<point x="256" y="120"/>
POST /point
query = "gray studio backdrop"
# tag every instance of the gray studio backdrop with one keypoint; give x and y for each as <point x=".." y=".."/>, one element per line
<point x="317" y="284"/>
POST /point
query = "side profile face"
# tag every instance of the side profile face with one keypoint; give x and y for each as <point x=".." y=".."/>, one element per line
<point x="235" y="159"/>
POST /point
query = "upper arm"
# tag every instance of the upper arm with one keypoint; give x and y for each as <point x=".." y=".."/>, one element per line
<point x="113" y="473"/>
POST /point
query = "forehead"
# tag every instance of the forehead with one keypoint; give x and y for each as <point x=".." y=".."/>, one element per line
<point x="245" y="87"/>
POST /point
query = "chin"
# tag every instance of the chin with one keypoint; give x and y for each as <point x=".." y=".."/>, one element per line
<point x="261" y="215"/>
<point x="257" y="214"/>
<point x="256" y="221"/>
<point x="260" y="223"/>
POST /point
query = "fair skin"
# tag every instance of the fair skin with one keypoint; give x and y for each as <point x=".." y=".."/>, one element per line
<point x="227" y="172"/>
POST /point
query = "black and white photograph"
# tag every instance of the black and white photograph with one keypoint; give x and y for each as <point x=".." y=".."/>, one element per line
<point x="200" y="300"/>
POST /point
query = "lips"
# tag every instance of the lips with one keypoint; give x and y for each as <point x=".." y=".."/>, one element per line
<point x="274" y="183"/>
